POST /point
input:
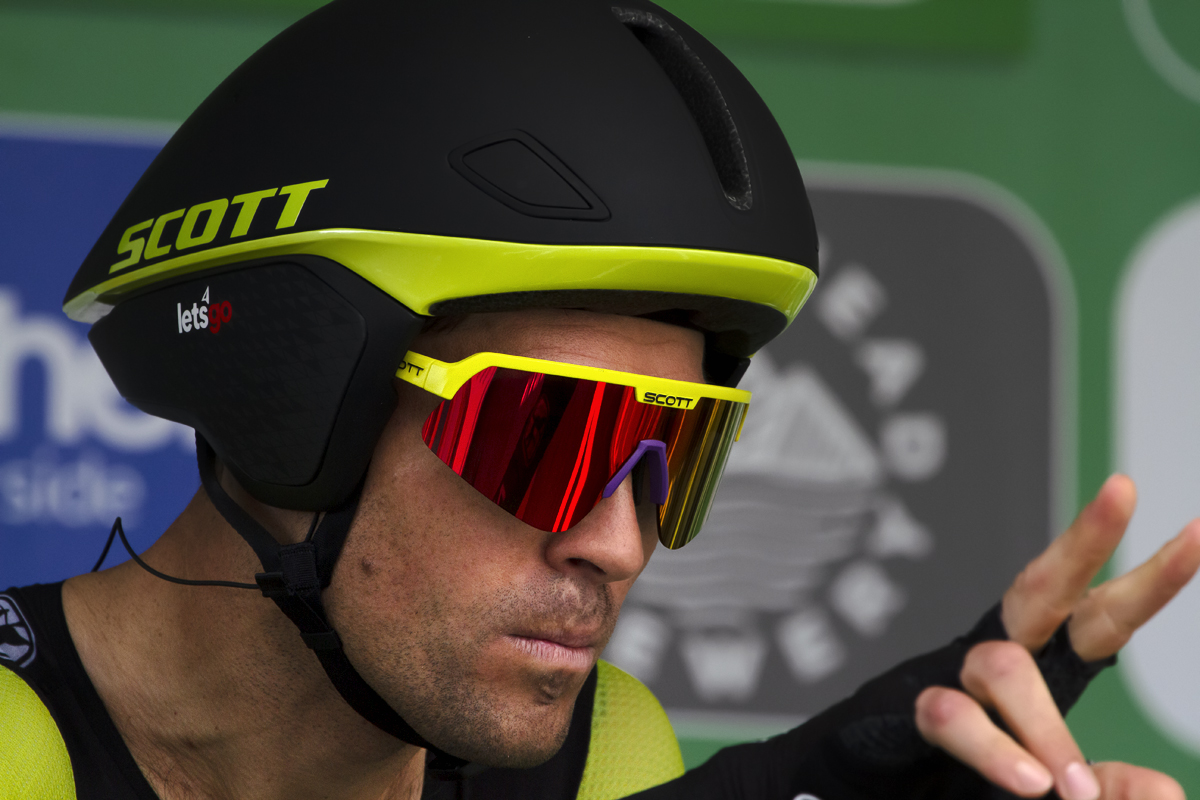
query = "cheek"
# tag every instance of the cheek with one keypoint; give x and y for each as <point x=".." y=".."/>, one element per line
<point x="423" y="538"/>
<point x="393" y="552"/>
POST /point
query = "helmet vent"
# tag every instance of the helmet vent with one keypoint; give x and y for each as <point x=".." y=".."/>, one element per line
<point x="522" y="173"/>
<point x="702" y="96"/>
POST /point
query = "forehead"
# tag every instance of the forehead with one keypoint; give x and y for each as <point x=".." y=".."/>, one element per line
<point x="629" y="344"/>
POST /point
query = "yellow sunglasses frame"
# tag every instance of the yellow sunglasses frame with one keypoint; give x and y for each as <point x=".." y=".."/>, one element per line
<point x="444" y="379"/>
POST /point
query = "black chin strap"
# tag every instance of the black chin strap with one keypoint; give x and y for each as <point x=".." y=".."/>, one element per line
<point x="293" y="576"/>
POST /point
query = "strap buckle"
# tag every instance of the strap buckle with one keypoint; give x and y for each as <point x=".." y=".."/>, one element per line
<point x="298" y="575"/>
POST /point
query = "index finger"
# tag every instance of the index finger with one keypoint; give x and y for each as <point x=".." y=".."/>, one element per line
<point x="1046" y="591"/>
<point x="1107" y="616"/>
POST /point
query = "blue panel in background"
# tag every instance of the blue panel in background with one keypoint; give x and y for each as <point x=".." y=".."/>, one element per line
<point x="73" y="454"/>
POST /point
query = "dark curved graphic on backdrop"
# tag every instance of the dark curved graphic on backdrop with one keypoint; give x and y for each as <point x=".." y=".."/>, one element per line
<point x="894" y="473"/>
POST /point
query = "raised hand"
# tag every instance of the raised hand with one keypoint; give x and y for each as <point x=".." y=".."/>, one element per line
<point x="1040" y="752"/>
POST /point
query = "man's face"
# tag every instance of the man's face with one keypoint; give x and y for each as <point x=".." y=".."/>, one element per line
<point x="479" y="629"/>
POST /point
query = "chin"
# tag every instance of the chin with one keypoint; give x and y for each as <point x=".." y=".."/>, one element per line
<point x="525" y="756"/>
<point x="517" y="741"/>
<point x="519" y="718"/>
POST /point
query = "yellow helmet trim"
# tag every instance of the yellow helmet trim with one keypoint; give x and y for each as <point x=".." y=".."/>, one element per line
<point x="439" y="268"/>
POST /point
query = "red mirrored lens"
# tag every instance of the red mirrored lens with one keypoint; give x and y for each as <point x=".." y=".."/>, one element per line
<point x="542" y="447"/>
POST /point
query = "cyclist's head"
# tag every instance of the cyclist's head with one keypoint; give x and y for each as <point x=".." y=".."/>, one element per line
<point x="501" y="620"/>
<point x="380" y="169"/>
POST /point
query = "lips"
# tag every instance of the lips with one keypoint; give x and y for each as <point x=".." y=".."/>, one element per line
<point x="562" y="649"/>
<point x="566" y="637"/>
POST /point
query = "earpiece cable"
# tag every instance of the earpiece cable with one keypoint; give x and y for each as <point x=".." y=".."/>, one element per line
<point x="117" y="528"/>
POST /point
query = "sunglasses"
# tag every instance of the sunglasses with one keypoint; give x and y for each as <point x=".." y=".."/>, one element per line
<point x="547" y="441"/>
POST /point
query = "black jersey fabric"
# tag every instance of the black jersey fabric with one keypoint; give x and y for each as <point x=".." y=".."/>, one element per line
<point x="865" y="748"/>
<point x="104" y="768"/>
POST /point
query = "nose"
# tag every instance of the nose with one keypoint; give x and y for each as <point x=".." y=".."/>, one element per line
<point x="608" y="545"/>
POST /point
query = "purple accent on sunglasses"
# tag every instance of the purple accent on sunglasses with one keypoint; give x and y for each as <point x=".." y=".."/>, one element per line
<point x="657" y="471"/>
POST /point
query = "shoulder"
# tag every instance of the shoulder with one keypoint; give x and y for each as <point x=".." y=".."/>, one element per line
<point x="35" y="763"/>
<point x="633" y="746"/>
<point x="56" y="737"/>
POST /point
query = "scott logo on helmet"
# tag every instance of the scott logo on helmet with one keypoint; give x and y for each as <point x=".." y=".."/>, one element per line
<point x="669" y="400"/>
<point x="201" y="223"/>
<point x="203" y="315"/>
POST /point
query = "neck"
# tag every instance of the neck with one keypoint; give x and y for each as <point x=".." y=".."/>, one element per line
<point x="212" y="689"/>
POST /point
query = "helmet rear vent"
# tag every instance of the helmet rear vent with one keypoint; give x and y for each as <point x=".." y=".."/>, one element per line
<point x="702" y="96"/>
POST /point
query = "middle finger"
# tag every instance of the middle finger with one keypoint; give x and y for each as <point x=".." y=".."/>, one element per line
<point x="1004" y="676"/>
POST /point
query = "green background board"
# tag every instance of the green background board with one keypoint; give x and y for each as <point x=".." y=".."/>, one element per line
<point x="1052" y="100"/>
<point x="949" y="26"/>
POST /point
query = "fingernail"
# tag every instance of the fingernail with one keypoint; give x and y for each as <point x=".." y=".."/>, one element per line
<point x="1080" y="783"/>
<point x="1033" y="779"/>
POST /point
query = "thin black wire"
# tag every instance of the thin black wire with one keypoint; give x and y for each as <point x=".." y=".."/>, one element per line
<point x="312" y="528"/>
<point x="117" y="528"/>
<point x="104" y="553"/>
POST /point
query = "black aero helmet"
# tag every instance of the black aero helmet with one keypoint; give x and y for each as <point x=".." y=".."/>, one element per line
<point x="381" y="163"/>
